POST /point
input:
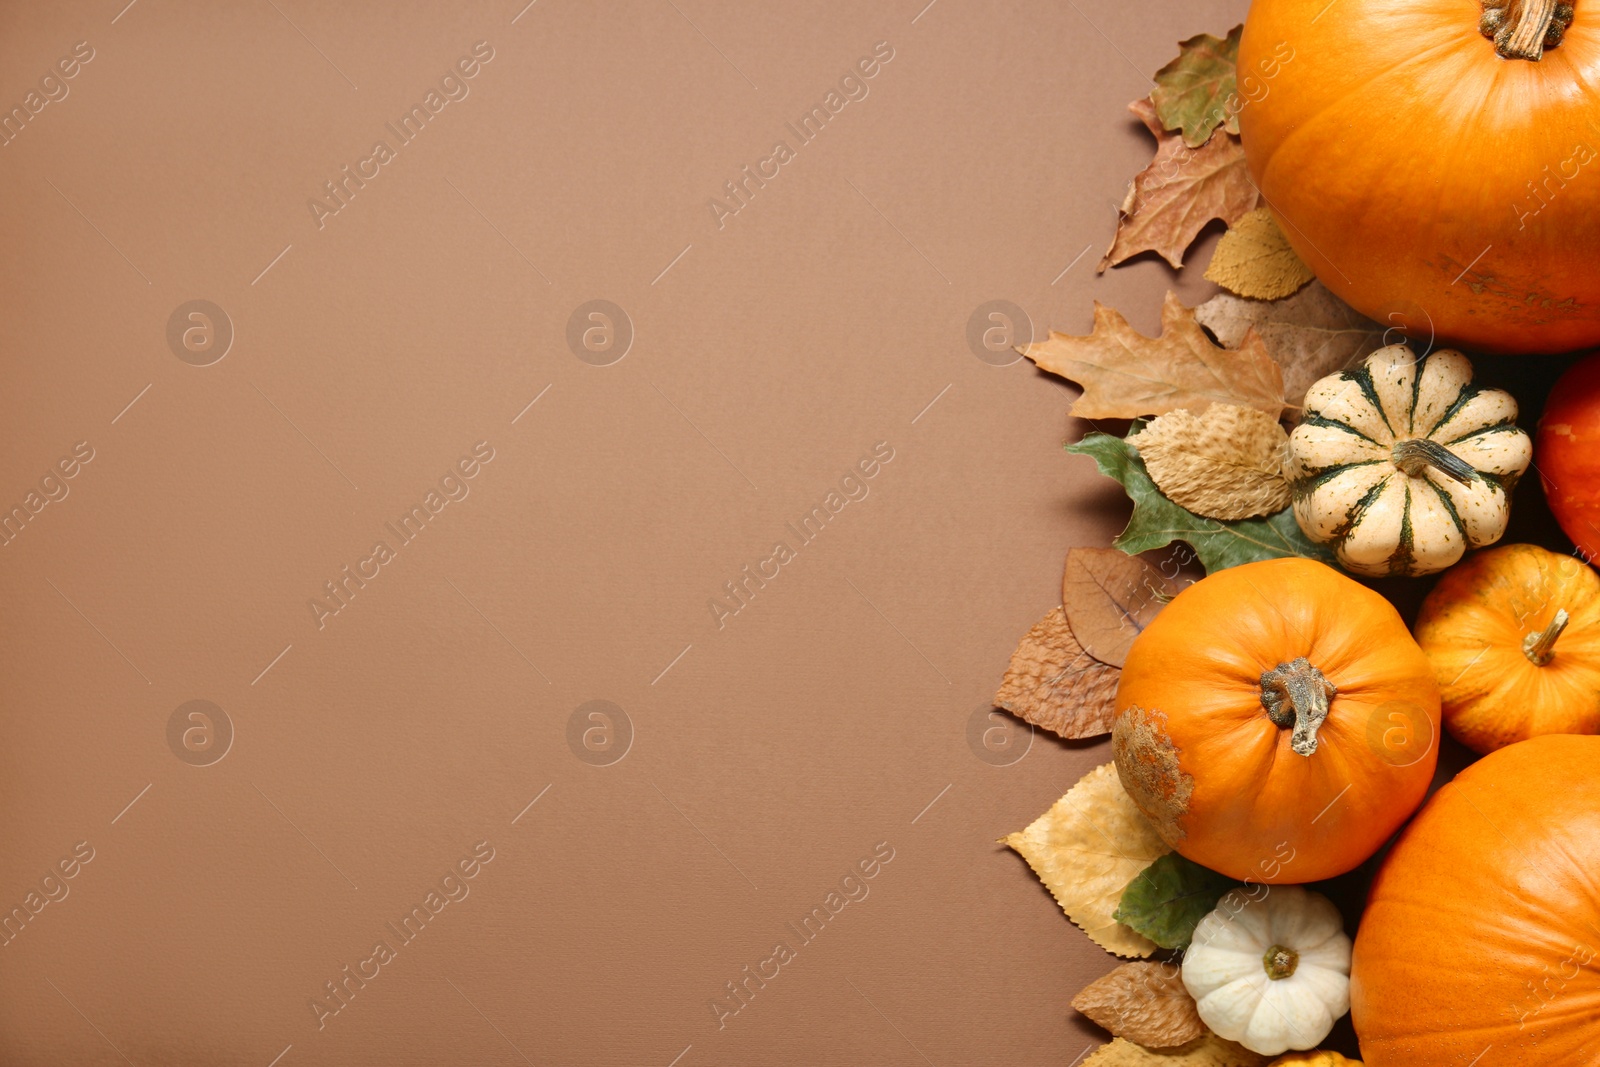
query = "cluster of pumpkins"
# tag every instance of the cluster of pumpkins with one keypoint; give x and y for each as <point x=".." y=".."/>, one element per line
<point x="1278" y="722"/>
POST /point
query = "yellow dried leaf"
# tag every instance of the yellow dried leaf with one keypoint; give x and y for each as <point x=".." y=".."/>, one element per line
<point x="1125" y="374"/>
<point x="1110" y="597"/>
<point x="1254" y="259"/>
<point x="1209" y="1051"/>
<point x="1054" y="683"/>
<point x="1145" y="1002"/>
<point x="1319" y="1058"/>
<point x="1086" y="849"/>
<point x="1226" y="465"/>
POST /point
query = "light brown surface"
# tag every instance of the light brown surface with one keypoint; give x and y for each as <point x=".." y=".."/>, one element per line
<point x="370" y="755"/>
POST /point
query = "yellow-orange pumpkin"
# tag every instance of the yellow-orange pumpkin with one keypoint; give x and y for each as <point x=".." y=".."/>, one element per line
<point x="1276" y="722"/>
<point x="1427" y="180"/>
<point x="1514" y="637"/>
<point x="1481" y="939"/>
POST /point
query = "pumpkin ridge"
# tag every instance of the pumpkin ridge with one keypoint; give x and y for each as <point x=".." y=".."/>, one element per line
<point x="1363" y="379"/>
<point x="1470" y="434"/>
<point x="1316" y="418"/>
<point x="1353" y="516"/>
<point x="1467" y="392"/>
<point x="1311" y="482"/>
<point x="1400" y="560"/>
<point x="1449" y="506"/>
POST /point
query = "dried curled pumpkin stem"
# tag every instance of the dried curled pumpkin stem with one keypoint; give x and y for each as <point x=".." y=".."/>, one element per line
<point x="1523" y="29"/>
<point x="1539" y="646"/>
<point x="1296" y="695"/>
<point x="1416" y="456"/>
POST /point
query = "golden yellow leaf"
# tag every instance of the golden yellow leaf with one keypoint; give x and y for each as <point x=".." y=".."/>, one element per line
<point x="1110" y="597"/>
<point x="1209" y="1051"/>
<point x="1227" y="464"/>
<point x="1126" y="375"/>
<point x="1254" y="259"/>
<point x="1086" y="849"/>
<point x="1054" y="683"/>
<point x="1183" y="188"/>
<point x="1145" y="1002"/>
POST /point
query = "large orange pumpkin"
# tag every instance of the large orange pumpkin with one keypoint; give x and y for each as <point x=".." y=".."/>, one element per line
<point x="1427" y="180"/>
<point x="1481" y="939"/>
<point x="1566" y="452"/>
<point x="1276" y="722"/>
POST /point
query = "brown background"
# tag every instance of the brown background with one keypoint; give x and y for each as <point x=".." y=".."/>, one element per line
<point x="828" y="716"/>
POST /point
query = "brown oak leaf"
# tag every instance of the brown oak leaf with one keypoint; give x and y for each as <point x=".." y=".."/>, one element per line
<point x="1054" y="684"/>
<point x="1125" y="374"/>
<point x="1311" y="334"/>
<point x="1183" y="188"/>
<point x="1144" y="1002"/>
<point x="1110" y="597"/>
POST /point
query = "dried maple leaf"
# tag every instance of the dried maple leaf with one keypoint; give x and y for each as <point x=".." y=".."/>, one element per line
<point x="1086" y="849"/>
<point x="1110" y="597"/>
<point x="1183" y="188"/>
<point x="1254" y="259"/>
<point x="1208" y="1051"/>
<point x="1311" y="334"/>
<point x="1192" y="91"/>
<point x="1227" y="465"/>
<point x="1053" y="683"/>
<point x="1144" y="1002"/>
<point x="1125" y="374"/>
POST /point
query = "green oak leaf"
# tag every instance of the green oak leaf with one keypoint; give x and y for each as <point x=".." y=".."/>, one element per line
<point x="1167" y="899"/>
<point x="1157" y="521"/>
<point x="1192" y="91"/>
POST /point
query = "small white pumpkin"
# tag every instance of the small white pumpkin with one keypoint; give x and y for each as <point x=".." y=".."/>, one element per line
<point x="1270" y="968"/>
<point x="1403" y="464"/>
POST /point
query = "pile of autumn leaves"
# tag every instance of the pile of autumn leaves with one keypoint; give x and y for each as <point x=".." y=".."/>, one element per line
<point x="1203" y="464"/>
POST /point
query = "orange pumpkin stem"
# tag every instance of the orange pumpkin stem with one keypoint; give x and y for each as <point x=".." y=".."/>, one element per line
<point x="1523" y="29"/>
<point x="1296" y="695"/>
<point x="1539" y="646"/>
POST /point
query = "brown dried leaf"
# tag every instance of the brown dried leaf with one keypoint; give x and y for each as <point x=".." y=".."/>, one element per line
<point x="1125" y="374"/>
<point x="1053" y="683"/>
<point x="1227" y="465"/>
<point x="1312" y="334"/>
<point x="1086" y="849"/>
<point x="1110" y="597"/>
<point x="1144" y="1002"/>
<point x="1254" y="259"/>
<point x="1183" y="188"/>
<point x="1209" y="1051"/>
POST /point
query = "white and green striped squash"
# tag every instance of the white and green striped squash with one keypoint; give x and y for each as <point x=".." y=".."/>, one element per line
<point x="1402" y="464"/>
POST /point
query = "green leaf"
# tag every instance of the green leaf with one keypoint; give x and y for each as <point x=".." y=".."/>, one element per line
<point x="1167" y="899"/>
<point x="1157" y="521"/>
<point x="1192" y="91"/>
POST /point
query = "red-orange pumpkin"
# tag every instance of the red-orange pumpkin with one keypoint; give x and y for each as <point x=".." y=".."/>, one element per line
<point x="1427" y="180"/>
<point x="1566" y="452"/>
<point x="1276" y="722"/>
<point x="1481" y="939"/>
